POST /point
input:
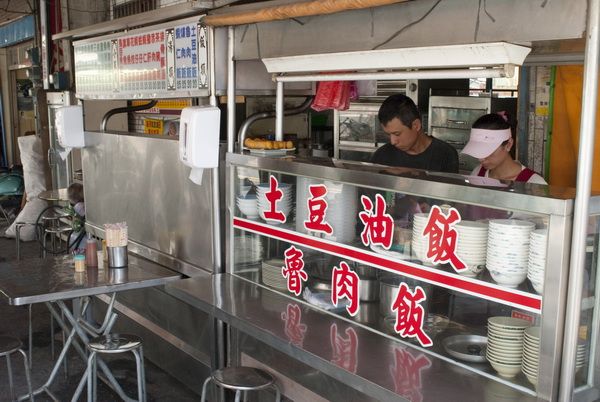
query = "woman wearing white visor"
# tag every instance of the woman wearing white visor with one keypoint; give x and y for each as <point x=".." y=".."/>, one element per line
<point x="490" y="142"/>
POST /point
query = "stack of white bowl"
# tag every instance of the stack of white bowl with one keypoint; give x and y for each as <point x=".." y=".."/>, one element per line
<point x="248" y="205"/>
<point x="538" y="241"/>
<point x="581" y="355"/>
<point x="531" y="354"/>
<point x="272" y="275"/>
<point x="471" y="246"/>
<point x="505" y="344"/>
<point x="284" y="204"/>
<point x="341" y="213"/>
<point x="419" y="242"/>
<point x="508" y="250"/>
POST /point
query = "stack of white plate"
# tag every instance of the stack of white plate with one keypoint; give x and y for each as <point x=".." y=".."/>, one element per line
<point x="419" y="241"/>
<point x="531" y="354"/>
<point x="272" y="275"/>
<point x="505" y="344"/>
<point x="538" y="241"/>
<point x="248" y="249"/>
<point x="471" y="246"/>
<point x="248" y="205"/>
<point x="581" y="355"/>
<point x="341" y="213"/>
<point x="284" y="204"/>
<point x="508" y="250"/>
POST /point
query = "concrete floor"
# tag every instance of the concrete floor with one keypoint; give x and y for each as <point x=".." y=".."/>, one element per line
<point x="13" y="322"/>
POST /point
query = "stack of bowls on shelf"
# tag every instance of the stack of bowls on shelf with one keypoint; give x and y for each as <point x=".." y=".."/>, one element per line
<point x="284" y="204"/>
<point x="272" y="275"/>
<point x="248" y="205"/>
<point x="508" y="250"/>
<point x="505" y="344"/>
<point x="531" y="354"/>
<point x="341" y="213"/>
<point x="538" y="241"/>
<point x="471" y="246"/>
<point x="419" y="241"/>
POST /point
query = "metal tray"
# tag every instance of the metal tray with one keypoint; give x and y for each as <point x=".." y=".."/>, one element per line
<point x="470" y="348"/>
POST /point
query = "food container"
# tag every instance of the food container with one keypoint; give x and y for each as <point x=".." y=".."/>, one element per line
<point x="388" y="291"/>
<point x="79" y="261"/>
<point x="117" y="275"/>
<point x="368" y="289"/>
<point x="367" y="313"/>
<point x="366" y="271"/>
<point x="117" y="257"/>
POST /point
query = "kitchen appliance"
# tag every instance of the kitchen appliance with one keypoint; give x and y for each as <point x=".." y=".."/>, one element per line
<point x="451" y="118"/>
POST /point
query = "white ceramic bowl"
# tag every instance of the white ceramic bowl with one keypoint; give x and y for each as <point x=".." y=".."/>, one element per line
<point x="505" y="370"/>
<point x="508" y="280"/>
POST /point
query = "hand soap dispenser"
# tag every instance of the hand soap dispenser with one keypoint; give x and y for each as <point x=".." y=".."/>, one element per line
<point x="69" y="127"/>
<point x="199" y="131"/>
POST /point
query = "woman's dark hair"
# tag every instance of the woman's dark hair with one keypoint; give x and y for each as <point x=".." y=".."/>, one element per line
<point x="491" y="121"/>
<point x="75" y="193"/>
<point x="401" y="107"/>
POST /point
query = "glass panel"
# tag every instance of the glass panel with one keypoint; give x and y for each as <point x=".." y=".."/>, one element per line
<point x="358" y="126"/>
<point x="420" y="270"/>
<point x="588" y="325"/>
<point x="454" y="117"/>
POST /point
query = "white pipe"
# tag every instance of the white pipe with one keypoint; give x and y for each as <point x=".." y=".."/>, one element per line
<point x="580" y="215"/>
<point x="279" y="112"/>
<point x="211" y="55"/>
<point x="402" y="75"/>
<point x="230" y="90"/>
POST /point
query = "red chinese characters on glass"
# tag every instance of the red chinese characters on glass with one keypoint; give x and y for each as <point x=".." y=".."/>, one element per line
<point x="406" y="373"/>
<point x="317" y="207"/>
<point x="345" y="348"/>
<point x="442" y="237"/>
<point x="273" y="196"/>
<point x="344" y="284"/>
<point x="294" y="270"/>
<point x="294" y="328"/>
<point x="410" y="314"/>
<point x="379" y="226"/>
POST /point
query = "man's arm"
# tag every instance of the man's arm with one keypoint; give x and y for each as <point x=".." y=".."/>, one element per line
<point x="451" y="161"/>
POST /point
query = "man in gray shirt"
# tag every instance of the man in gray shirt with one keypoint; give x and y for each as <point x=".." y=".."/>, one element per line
<point x="409" y="146"/>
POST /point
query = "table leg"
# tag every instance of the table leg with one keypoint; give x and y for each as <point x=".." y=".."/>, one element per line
<point x="83" y="336"/>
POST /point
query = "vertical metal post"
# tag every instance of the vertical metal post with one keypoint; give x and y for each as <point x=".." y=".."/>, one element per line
<point x="211" y="66"/>
<point x="279" y="112"/>
<point x="580" y="218"/>
<point x="44" y="44"/>
<point x="523" y="114"/>
<point x="230" y="89"/>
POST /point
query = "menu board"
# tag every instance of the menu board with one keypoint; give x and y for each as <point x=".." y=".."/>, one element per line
<point x="166" y="61"/>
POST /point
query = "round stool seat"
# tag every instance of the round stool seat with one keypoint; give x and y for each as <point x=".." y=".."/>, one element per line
<point x="243" y="378"/>
<point x="9" y="345"/>
<point x="115" y="343"/>
<point x="60" y="229"/>
<point x="54" y="215"/>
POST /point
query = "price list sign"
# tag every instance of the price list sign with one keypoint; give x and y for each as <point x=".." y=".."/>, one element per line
<point x="93" y="64"/>
<point x="165" y="61"/>
<point x="142" y="61"/>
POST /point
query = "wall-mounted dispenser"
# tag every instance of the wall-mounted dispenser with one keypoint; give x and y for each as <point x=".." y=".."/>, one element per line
<point x="199" y="131"/>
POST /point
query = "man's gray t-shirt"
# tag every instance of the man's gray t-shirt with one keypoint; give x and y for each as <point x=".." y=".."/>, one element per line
<point x="438" y="157"/>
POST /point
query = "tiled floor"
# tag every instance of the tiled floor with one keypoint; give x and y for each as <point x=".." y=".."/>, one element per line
<point x="13" y="322"/>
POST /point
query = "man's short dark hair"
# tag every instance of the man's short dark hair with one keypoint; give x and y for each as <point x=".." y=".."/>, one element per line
<point x="401" y="107"/>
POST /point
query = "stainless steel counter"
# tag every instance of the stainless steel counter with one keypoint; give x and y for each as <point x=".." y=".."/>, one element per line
<point x="42" y="280"/>
<point x="383" y="368"/>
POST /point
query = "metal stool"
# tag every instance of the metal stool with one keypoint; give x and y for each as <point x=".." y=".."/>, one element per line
<point x="8" y="346"/>
<point x="241" y="379"/>
<point x="113" y="344"/>
<point x="18" y="227"/>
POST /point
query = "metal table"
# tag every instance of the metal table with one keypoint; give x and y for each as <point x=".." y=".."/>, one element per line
<point x="54" y="280"/>
<point x="60" y="194"/>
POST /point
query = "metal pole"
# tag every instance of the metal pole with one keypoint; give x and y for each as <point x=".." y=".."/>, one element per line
<point x="279" y="112"/>
<point x="580" y="218"/>
<point x="230" y="90"/>
<point x="211" y="73"/>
